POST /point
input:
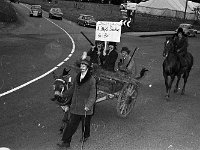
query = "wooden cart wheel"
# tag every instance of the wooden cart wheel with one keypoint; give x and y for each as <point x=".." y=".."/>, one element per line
<point x="127" y="99"/>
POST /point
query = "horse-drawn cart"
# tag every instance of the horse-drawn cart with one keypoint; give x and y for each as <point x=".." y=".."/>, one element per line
<point x="116" y="85"/>
<point x="126" y="92"/>
<point x="112" y="85"/>
<point x="109" y="85"/>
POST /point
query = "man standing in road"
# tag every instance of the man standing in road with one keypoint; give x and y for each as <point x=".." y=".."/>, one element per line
<point x="83" y="97"/>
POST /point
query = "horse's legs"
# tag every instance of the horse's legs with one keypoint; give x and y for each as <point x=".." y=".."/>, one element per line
<point x="65" y="121"/>
<point x="185" y="77"/>
<point x="187" y="72"/>
<point x="166" y="84"/>
<point x="170" y="85"/>
<point x="177" y="83"/>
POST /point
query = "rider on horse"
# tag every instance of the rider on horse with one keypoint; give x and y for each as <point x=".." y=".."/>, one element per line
<point x="181" y="44"/>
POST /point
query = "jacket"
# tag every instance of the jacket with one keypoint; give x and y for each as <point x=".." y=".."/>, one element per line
<point x="181" y="45"/>
<point x="82" y="94"/>
<point x="109" y="60"/>
<point x="95" y="58"/>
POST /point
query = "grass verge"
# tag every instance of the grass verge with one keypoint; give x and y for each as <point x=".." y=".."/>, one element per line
<point x="108" y="12"/>
<point x="7" y="12"/>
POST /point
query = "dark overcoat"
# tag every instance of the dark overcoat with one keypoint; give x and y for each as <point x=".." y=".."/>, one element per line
<point x="109" y="60"/>
<point x="95" y="57"/>
<point x="82" y="94"/>
<point x="181" y="45"/>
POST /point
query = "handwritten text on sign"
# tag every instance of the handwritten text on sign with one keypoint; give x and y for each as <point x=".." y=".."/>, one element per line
<point x="131" y="6"/>
<point x="108" y="31"/>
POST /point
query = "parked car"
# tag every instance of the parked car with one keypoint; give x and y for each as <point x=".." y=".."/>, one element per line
<point x="188" y="29"/>
<point x="36" y="10"/>
<point x="55" y="13"/>
<point x="86" y="20"/>
<point x="14" y="1"/>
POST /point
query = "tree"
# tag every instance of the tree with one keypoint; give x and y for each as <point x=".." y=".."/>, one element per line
<point x="116" y="2"/>
<point x="197" y="1"/>
<point x="135" y="1"/>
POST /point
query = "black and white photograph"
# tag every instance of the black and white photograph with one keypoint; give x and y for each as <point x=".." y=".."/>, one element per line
<point x="99" y="75"/>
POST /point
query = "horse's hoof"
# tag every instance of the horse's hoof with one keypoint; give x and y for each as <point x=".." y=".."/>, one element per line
<point x="61" y="130"/>
<point x="167" y="97"/>
<point x="182" y="92"/>
<point x="53" y="99"/>
<point x="175" y="90"/>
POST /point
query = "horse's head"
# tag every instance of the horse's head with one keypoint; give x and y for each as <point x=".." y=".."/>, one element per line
<point x="168" y="46"/>
<point x="61" y="84"/>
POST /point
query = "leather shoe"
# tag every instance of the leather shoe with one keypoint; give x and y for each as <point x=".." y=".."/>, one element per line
<point x="61" y="130"/>
<point x="63" y="144"/>
<point x="53" y="99"/>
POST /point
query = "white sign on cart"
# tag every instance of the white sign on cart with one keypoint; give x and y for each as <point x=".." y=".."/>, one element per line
<point x="108" y="31"/>
<point x="131" y="6"/>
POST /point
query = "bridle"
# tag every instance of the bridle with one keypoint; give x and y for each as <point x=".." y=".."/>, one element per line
<point x="63" y="88"/>
<point x="168" y="48"/>
<point x="64" y="85"/>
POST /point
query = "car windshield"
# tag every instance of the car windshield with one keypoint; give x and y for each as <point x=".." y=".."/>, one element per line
<point x="185" y="25"/>
<point x="57" y="9"/>
<point x="89" y="18"/>
<point x="35" y="7"/>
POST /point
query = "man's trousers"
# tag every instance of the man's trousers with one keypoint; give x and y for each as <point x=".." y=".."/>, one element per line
<point x="73" y="125"/>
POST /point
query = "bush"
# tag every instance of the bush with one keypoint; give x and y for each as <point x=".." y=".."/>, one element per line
<point x="7" y="12"/>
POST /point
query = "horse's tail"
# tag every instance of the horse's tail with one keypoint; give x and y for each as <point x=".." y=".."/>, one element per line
<point x="142" y="73"/>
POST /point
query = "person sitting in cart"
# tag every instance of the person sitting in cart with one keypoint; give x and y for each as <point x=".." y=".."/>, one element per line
<point x="109" y="57"/>
<point x="96" y="53"/>
<point x="125" y="63"/>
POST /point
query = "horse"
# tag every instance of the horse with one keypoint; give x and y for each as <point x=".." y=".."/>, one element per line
<point x="172" y="66"/>
<point x="61" y="84"/>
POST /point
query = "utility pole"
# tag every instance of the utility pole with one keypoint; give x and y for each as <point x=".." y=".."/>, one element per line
<point x="186" y="3"/>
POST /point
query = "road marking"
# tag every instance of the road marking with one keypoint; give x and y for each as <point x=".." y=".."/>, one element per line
<point x="4" y="148"/>
<point x="48" y="72"/>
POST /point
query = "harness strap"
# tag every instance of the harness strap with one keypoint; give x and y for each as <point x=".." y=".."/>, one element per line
<point x="63" y="81"/>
